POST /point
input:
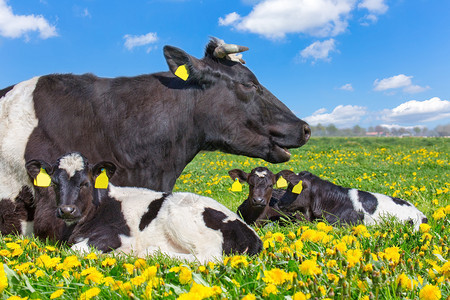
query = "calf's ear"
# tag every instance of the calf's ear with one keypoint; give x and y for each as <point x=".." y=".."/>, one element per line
<point x="290" y="176"/>
<point x="239" y="174"/>
<point x="109" y="167"/>
<point x="34" y="167"/>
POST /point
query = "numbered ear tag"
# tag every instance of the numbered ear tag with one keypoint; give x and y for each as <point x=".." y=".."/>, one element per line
<point x="236" y="186"/>
<point x="101" y="182"/>
<point x="297" y="189"/>
<point x="42" y="179"/>
<point x="182" y="72"/>
<point x="281" y="182"/>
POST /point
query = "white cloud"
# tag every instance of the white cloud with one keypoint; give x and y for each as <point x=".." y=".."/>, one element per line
<point x="341" y="116"/>
<point x="276" y="18"/>
<point x="396" y="82"/>
<point x="375" y="8"/>
<point x="319" y="50"/>
<point x="229" y="19"/>
<point x="418" y="111"/>
<point x="132" y="41"/>
<point x="347" y="87"/>
<point x="16" y="26"/>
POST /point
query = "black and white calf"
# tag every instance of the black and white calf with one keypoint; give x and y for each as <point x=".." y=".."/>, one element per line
<point x="322" y="199"/>
<point x="261" y="204"/>
<point x="139" y="220"/>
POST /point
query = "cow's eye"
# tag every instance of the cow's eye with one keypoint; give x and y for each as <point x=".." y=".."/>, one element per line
<point x="84" y="184"/>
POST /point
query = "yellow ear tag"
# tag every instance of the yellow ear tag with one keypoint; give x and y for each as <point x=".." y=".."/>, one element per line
<point x="102" y="180"/>
<point x="42" y="179"/>
<point x="182" y="72"/>
<point x="297" y="189"/>
<point x="281" y="182"/>
<point x="236" y="186"/>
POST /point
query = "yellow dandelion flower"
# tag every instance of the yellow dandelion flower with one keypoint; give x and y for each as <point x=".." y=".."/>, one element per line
<point x="445" y="269"/>
<point x="12" y="246"/>
<point x="405" y="282"/>
<point x="392" y="254"/>
<point x="129" y="268"/>
<point x="150" y="272"/>
<point x="39" y="274"/>
<point x="368" y="268"/>
<point x="291" y="235"/>
<point x="324" y="227"/>
<point x="108" y="262"/>
<point x="439" y="214"/>
<point x="424" y="228"/>
<point x="249" y="297"/>
<point x="331" y="263"/>
<point x="341" y="247"/>
<point x="278" y="237"/>
<point x="71" y="262"/>
<point x="353" y="257"/>
<point x="430" y="292"/>
<point x="361" y="230"/>
<point x="333" y="277"/>
<point x="138" y="280"/>
<point x="91" y="256"/>
<point x="185" y="275"/>
<point x="90" y="293"/>
<point x="300" y="296"/>
<point x="45" y="261"/>
<point x="57" y="294"/>
<point x="5" y="253"/>
<point x="270" y="289"/>
<point x="16" y="252"/>
<point x="310" y="267"/>
<point x="3" y="279"/>
<point x="140" y="263"/>
<point x="278" y="276"/>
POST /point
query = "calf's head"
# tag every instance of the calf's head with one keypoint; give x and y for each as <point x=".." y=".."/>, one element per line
<point x="73" y="182"/>
<point x="299" y="192"/>
<point x="240" y="115"/>
<point x="260" y="181"/>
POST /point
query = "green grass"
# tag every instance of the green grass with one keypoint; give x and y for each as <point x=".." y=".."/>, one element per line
<point x="386" y="261"/>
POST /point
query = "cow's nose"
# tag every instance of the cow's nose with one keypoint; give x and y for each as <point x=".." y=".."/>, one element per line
<point x="66" y="211"/>
<point x="306" y="132"/>
<point x="259" y="201"/>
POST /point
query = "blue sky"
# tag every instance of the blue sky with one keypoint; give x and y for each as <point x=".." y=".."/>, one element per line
<point x="345" y="62"/>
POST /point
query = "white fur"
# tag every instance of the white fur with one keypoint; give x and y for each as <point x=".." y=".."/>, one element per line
<point x="72" y="163"/>
<point x="27" y="227"/>
<point x="178" y="230"/>
<point x="387" y="208"/>
<point x="261" y="174"/>
<point x="17" y="122"/>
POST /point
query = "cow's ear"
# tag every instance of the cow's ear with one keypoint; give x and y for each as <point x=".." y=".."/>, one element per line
<point x="34" y="167"/>
<point x="183" y="65"/>
<point x="239" y="174"/>
<point x="109" y="168"/>
<point x="290" y="176"/>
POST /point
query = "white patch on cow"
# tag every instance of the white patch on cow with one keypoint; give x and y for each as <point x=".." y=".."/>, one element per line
<point x="388" y="208"/>
<point x="27" y="228"/>
<point x="71" y="163"/>
<point x="353" y="195"/>
<point x="81" y="246"/>
<point x="261" y="174"/>
<point x="17" y="122"/>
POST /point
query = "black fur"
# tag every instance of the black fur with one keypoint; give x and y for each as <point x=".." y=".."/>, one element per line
<point x="399" y="201"/>
<point x="369" y="202"/>
<point x="152" y="212"/>
<point x="6" y="90"/>
<point x="103" y="226"/>
<point x="236" y="235"/>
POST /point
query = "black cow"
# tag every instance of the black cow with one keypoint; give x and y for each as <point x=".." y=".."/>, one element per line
<point x="149" y="126"/>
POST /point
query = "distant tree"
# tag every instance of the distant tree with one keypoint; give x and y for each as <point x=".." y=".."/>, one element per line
<point x="417" y="130"/>
<point x="443" y="130"/>
<point x="332" y="130"/>
<point x="370" y="129"/>
<point x="358" y="130"/>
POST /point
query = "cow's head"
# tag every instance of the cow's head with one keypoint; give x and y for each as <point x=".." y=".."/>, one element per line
<point x="238" y="114"/>
<point x="260" y="181"/>
<point x="300" y="198"/>
<point x="73" y="183"/>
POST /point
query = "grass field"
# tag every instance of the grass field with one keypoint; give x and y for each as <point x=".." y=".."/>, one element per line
<point x="299" y="261"/>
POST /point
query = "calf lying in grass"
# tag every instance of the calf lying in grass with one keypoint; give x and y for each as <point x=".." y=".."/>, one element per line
<point x="321" y="199"/>
<point x="261" y="204"/>
<point x="137" y="220"/>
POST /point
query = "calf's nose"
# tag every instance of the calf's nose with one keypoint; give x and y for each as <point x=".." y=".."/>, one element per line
<point x="259" y="201"/>
<point x="66" y="211"/>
